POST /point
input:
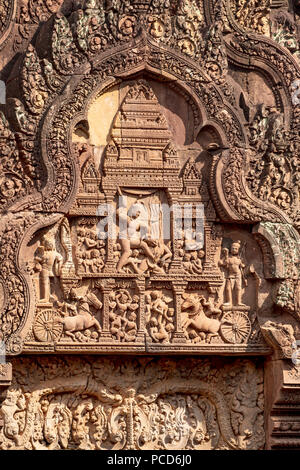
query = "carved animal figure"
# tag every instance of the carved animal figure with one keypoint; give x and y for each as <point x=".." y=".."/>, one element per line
<point x="84" y="319"/>
<point x="193" y="316"/>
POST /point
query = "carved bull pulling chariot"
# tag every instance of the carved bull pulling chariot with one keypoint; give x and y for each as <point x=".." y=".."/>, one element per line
<point x="234" y="326"/>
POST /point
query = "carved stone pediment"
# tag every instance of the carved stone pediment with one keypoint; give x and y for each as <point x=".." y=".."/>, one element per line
<point x="149" y="199"/>
<point x="176" y="278"/>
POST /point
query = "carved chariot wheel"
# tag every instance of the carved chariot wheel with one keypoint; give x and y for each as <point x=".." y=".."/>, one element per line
<point x="235" y="327"/>
<point x="47" y="327"/>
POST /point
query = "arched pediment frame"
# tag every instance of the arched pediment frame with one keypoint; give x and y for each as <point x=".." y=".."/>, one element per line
<point x="206" y="97"/>
<point x="44" y="123"/>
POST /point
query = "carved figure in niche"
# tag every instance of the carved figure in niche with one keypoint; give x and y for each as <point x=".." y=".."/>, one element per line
<point x="97" y="262"/>
<point x="214" y="49"/>
<point x="159" y="316"/>
<point x="157" y="28"/>
<point x="196" y="324"/>
<point x="261" y="22"/>
<point x="81" y="318"/>
<point x="143" y="247"/>
<point x="123" y="314"/>
<point x="193" y="240"/>
<point x="192" y="262"/>
<point x="259" y="126"/>
<point x="134" y="239"/>
<point x="127" y="25"/>
<point x="91" y="251"/>
<point x="48" y="263"/>
<point x="10" y="186"/>
<point x="116" y="251"/>
<point x="273" y="173"/>
<point x="214" y="39"/>
<point x="234" y="275"/>
<point x="22" y="118"/>
<point x="162" y="258"/>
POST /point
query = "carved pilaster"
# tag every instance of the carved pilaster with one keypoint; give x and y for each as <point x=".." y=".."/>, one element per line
<point x="176" y="218"/>
<point x="178" y="290"/>
<point x="68" y="268"/>
<point x="106" y="287"/>
<point x="282" y="399"/>
<point x="110" y="263"/>
<point x="141" y="323"/>
<point x="210" y="249"/>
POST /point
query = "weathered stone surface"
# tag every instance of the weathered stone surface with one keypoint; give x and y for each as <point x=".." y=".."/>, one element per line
<point x="144" y="403"/>
<point x="178" y="121"/>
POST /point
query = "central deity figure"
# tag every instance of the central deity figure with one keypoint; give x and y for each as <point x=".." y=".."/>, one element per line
<point x="134" y="239"/>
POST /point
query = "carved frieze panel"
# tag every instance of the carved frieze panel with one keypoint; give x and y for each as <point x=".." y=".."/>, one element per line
<point x="175" y="404"/>
<point x="141" y="262"/>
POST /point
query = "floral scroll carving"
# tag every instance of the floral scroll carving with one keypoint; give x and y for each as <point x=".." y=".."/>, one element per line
<point x="112" y="412"/>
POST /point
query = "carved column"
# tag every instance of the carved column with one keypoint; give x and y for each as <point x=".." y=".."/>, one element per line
<point x="177" y="244"/>
<point x="68" y="268"/>
<point x="208" y="265"/>
<point x="282" y="398"/>
<point x="106" y="287"/>
<point x="178" y="290"/>
<point x="140" y="284"/>
<point x="110" y="263"/>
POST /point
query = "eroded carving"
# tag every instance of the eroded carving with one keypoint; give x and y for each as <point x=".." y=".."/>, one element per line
<point x="259" y="11"/>
<point x="190" y="407"/>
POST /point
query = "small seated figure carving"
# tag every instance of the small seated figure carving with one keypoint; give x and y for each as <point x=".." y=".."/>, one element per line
<point x="134" y="261"/>
<point x="196" y="257"/>
<point x="187" y="262"/>
<point x="192" y="262"/>
<point x="210" y="308"/>
<point x="97" y="263"/>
